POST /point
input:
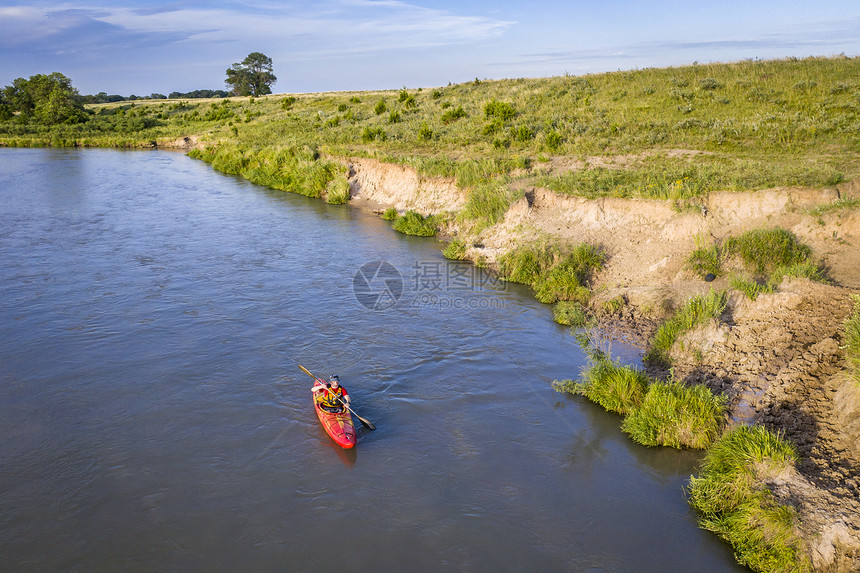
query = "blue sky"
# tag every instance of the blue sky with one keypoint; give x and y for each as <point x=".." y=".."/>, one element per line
<point x="119" y="47"/>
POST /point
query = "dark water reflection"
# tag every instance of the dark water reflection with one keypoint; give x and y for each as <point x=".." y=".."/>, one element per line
<point x="152" y="416"/>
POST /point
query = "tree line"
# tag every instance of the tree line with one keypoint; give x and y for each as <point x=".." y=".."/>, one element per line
<point x="50" y="99"/>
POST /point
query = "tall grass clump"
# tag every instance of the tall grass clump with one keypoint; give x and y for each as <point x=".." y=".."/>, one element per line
<point x="805" y="269"/>
<point x="765" y="250"/>
<point x="487" y="203"/>
<point x="732" y="502"/>
<point x="698" y="310"/>
<point x="770" y="255"/>
<point x="704" y="259"/>
<point x="852" y="340"/>
<point x="337" y="191"/>
<point x="749" y="287"/>
<point x="619" y="389"/>
<point x="673" y="414"/>
<point x="570" y="313"/>
<point x="456" y="250"/>
<point x="554" y="272"/>
<point x="414" y="223"/>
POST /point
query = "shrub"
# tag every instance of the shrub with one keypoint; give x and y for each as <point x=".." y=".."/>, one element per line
<point x="425" y="133"/>
<point x="371" y="133"/>
<point x="553" y="140"/>
<point x="413" y="223"/>
<point x="494" y="126"/>
<point x="380" y="107"/>
<point x="453" y="115"/>
<point x="389" y="214"/>
<point x="676" y="415"/>
<point x="500" y="110"/>
<point x="732" y="502"/>
<point x="709" y="84"/>
<point x="524" y="134"/>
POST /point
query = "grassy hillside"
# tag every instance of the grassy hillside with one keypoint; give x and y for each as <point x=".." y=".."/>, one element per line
<point x="674" y="133"/>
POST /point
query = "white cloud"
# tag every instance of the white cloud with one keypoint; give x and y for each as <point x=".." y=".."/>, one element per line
<point x="20" y="24"/>
<point x="358" y="25"/>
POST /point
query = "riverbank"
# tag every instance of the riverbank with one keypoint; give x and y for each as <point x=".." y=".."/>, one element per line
<point x="647" y="166"/>
<point x="777" y="359"/>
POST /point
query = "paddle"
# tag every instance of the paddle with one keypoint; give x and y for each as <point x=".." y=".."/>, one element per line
<point x="364" y="421"/>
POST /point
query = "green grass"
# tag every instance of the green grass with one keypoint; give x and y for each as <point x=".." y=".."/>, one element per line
<point x="676" y="415"/>
<point x="698" y="310"/>
<point x="678" y="180"/>
<point x="842" y="204"/>
<point x="748" y="125"/>
<point x="656" y="413"/>
<point x="852" y="340"/>
<point x="570" y="313"/>
<point x="704" y="259"/>
<point x="732" y="502"/>
<point x="297" y="169"/>
<point x="619" y="389"/>
<point x="456" y="250"/>
<point x="389" y="214"/>
<point x="805" y="269"/>
<point x="766" y="250"/>
<point x="413" y="223"/>
<point x="749" y="287"/>
<point x="555" y="272"/>
<point x="337" y="191"/>
<point x="768" y="256"/>
<point x="487" y="203"/>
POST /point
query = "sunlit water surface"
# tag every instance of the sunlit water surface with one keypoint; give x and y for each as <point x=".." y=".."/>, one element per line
<point x="153" y="417"/>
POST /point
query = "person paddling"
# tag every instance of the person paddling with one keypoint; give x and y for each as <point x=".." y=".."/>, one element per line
<point x="331" y="396"/>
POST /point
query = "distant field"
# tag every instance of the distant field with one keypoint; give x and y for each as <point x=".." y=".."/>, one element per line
<point x="673" y="133"/>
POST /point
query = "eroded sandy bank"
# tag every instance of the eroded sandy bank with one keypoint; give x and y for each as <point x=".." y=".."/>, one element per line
<point x="778" y="358"/>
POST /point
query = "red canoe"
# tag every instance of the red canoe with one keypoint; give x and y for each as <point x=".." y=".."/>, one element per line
<point x="338" y="426"/>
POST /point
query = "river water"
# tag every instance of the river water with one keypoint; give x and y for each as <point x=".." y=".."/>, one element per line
<point x="153" y="417"/>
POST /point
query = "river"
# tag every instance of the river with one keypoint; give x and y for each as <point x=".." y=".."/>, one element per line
<point x="153" y="417"/>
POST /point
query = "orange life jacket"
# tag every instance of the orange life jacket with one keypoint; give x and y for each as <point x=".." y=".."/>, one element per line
<point x="327" y="399"/>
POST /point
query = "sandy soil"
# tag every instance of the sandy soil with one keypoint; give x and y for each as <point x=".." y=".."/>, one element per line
<point x="778" y="359"/>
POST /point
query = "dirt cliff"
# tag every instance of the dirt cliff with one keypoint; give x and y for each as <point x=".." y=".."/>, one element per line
<point x="778" y="359"/>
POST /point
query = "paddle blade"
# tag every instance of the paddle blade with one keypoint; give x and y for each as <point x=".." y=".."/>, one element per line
<point x="306" y="371"/>
<point x="365" y="422"/>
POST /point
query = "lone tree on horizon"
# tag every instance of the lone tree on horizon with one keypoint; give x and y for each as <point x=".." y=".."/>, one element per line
<point x="253" y="76"/>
